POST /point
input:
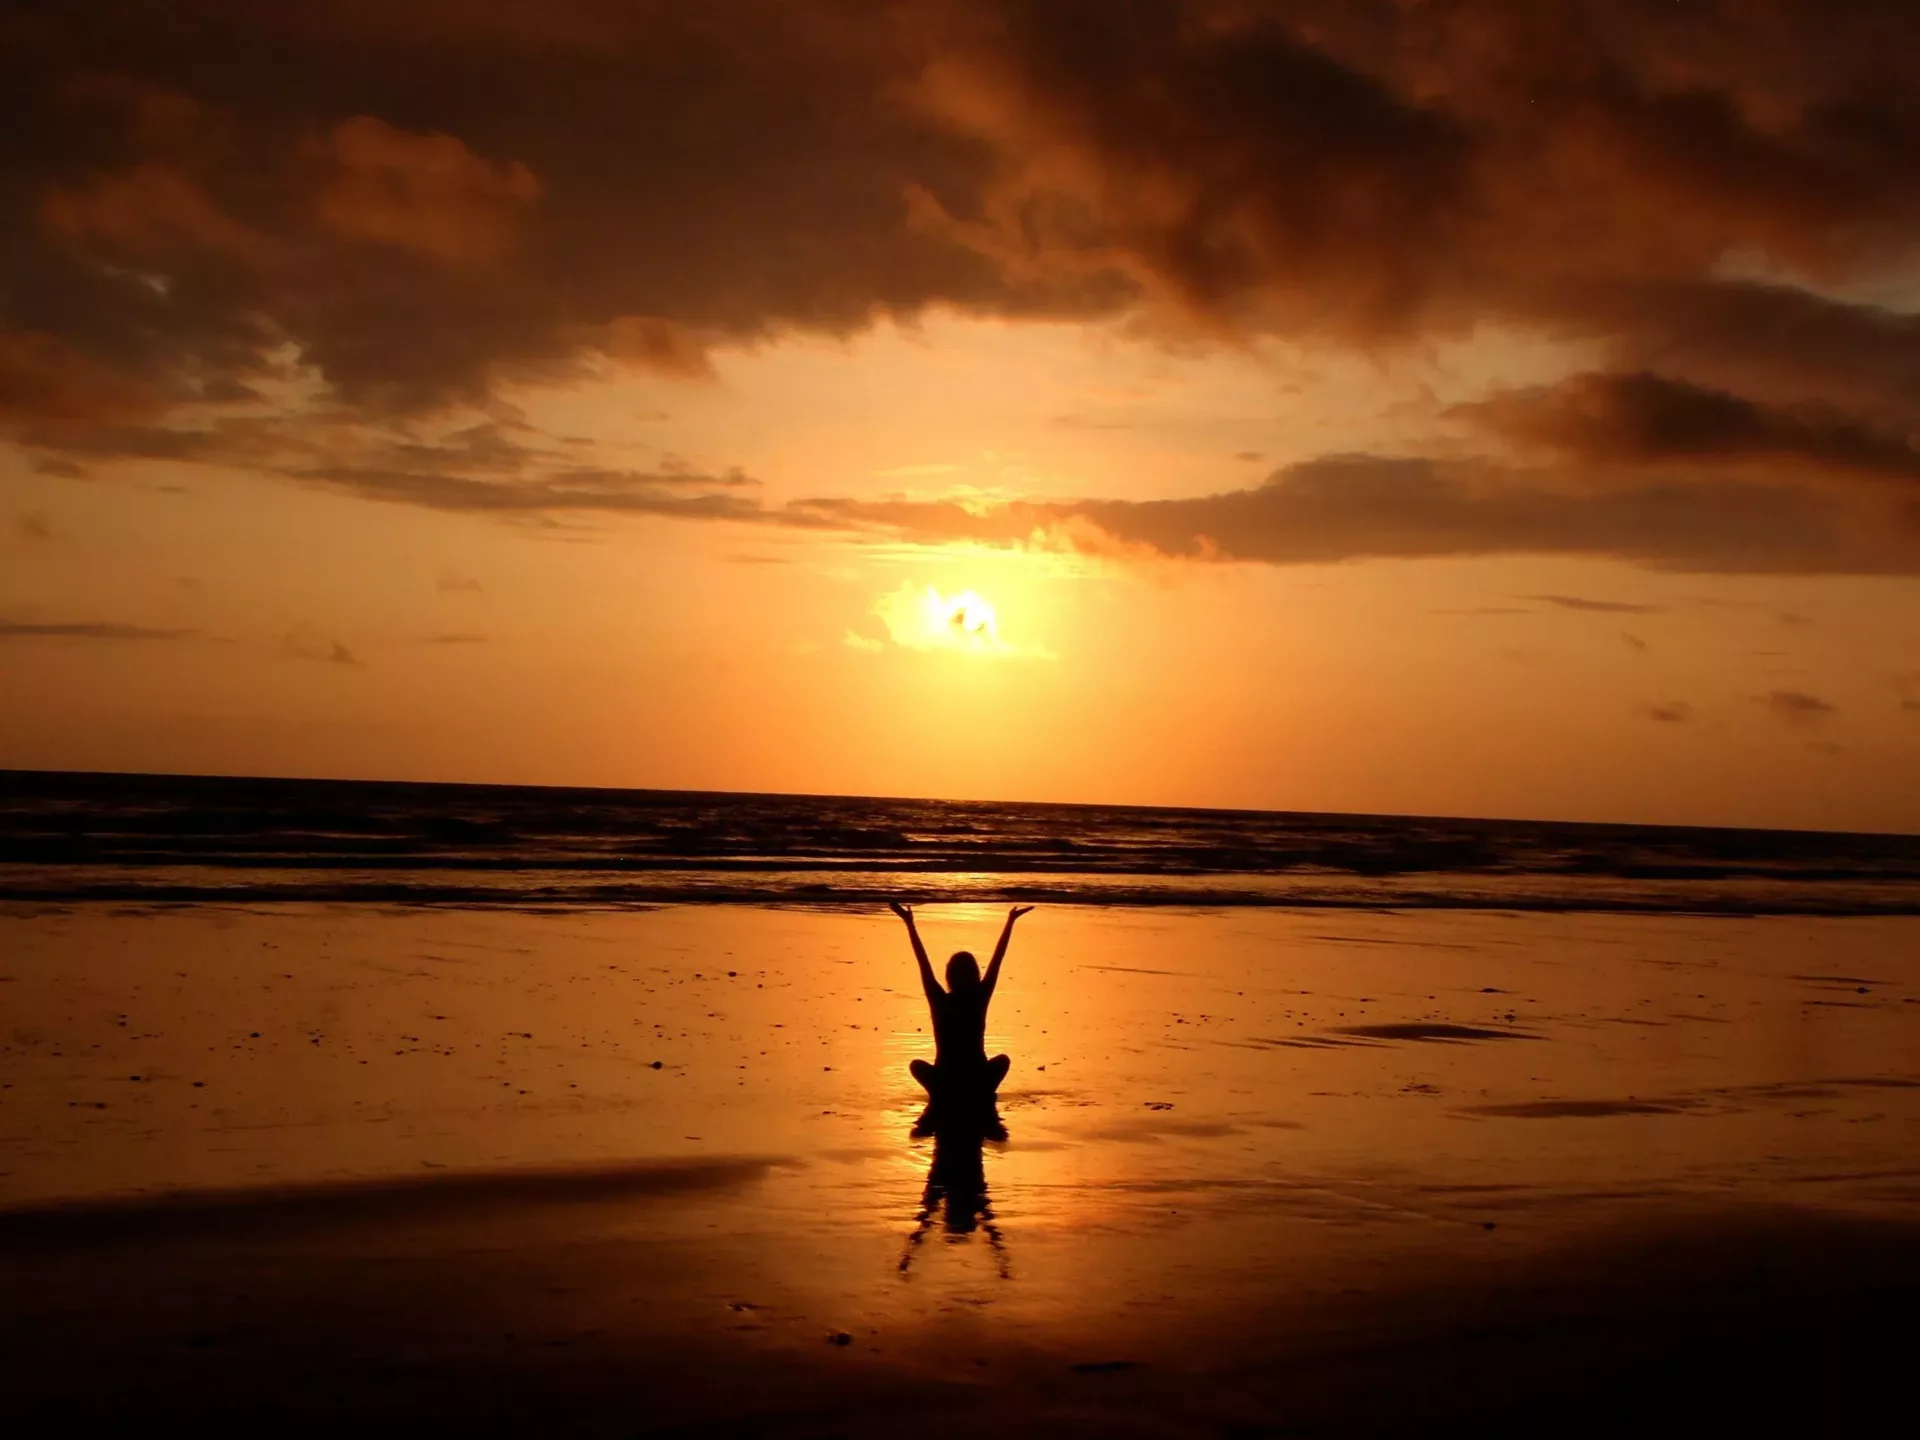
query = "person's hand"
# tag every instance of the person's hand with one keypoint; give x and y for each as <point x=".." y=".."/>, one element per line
<point x="1017" y="911"/>
<point x="905" y="912"/>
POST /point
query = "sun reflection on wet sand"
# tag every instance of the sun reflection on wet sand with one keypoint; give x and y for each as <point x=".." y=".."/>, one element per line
<point x="1178" y="1075"/>
<point x="695" y="1128"/>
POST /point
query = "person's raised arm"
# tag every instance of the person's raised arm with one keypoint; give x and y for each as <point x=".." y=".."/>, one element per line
<point x="927" y="982"/>
<point x="1000" y="950"/>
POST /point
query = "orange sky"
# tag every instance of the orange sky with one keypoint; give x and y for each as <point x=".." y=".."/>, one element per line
<point x="1332" y="421"/>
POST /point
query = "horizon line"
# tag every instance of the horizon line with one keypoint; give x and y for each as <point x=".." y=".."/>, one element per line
<point x="7" y="773"/>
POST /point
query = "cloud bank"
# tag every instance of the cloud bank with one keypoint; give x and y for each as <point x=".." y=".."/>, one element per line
<point x="1360" y="507"/>
<point x="411" y="204"/>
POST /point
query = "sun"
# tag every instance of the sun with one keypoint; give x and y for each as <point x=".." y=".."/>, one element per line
<point x="963" y="619"/>
<point x="922" y="617"/>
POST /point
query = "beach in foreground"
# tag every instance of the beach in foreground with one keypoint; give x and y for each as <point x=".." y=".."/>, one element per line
<point x="1264" y="1171"/>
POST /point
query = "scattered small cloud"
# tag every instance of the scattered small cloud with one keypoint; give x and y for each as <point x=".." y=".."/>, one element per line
<point x="59" y="468"/>
<point x="86" y="630"/>
<point x="1674" y="712"/>
<point x="1486" y="610"/>
<point x="303" y="646"/>
<point x="452" y="582"/>
<point x="1797" y="707"/>
<point x="1824" y="747"/>
<point x="1604" y="607"/>
<point x="34" y="525"/>
<point x="854" y="640"/>
<point x="745" y="559"/>
<point x="1789" y="617"/>
<point x="456" y="639"/>
<point x="1250" y="457"/>
<point x="1634" y="641"/>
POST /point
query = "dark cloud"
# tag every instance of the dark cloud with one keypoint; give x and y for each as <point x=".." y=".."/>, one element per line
<point x="1347" y="507"/>
<point x="1217" y="159"/>
<point x="597" y="491"/>
<point x="34" y="525"/>
<point x="426" y="205"/>
<point x="456" y="638"/>
<point x="411" y="202"/>
<point x="1633" y="642"/>
<point x="1643" y="419"/>
<point x="86" y="630"/>
<point x="1796" y="707"/>
<point x="487" y="468"/>
<point x="1369" y="170"/>
<point x="1784" y="344"/>
<point x="1604" y="607"/>
<point x="1357" y="507"/>
<point x="1674" y="712"/>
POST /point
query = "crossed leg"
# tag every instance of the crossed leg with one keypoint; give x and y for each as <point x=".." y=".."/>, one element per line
<point x="990" y="1075"/>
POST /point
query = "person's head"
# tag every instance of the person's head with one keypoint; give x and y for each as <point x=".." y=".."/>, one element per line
<point x="963" y="973"/>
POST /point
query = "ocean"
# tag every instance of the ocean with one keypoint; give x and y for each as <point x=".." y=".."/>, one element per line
<point x="70" y="837"/>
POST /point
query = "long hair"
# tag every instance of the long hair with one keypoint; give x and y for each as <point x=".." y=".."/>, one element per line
<point x="963" y="972"/>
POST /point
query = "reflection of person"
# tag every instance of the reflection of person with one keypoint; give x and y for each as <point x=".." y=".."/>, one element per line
<point x="957" y="1193"/>
<point x="960" y="1067"/>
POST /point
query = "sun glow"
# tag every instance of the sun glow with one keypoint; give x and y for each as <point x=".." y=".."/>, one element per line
<point x="923" y="618"/>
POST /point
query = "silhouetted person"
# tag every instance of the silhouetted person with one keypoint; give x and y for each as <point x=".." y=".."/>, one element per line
<point x="960" y="1073"/>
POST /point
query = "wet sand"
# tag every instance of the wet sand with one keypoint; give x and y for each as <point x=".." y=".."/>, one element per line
<point x="1264" y="1172"/>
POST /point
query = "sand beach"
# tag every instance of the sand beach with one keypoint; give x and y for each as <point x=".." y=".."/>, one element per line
<point x="652" y="1171"/>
